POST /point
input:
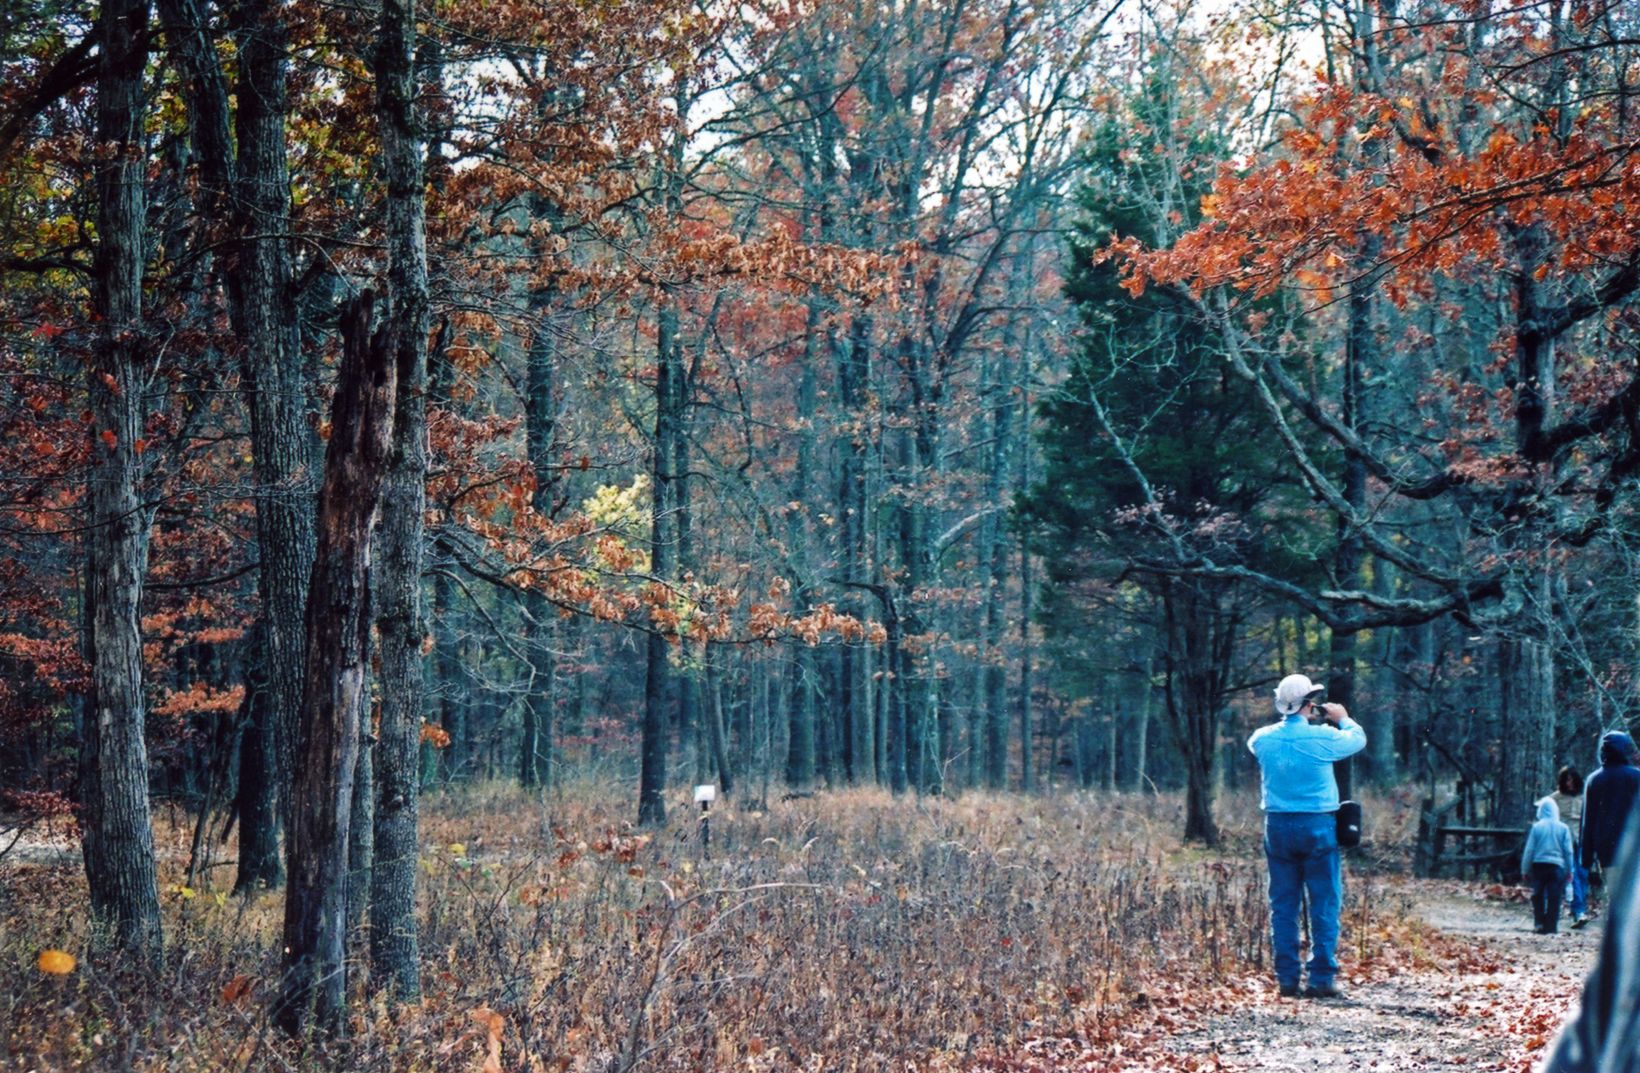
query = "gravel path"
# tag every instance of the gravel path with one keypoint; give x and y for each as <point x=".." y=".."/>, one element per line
<point x="1497" y="1011"/>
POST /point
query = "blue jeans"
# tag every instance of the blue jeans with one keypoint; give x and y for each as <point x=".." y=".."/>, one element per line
<point x="1580" y="882"/>
<point x="1302" y="851"/>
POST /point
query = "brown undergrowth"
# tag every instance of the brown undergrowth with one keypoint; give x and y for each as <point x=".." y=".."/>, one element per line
<point x="847" y="931"/>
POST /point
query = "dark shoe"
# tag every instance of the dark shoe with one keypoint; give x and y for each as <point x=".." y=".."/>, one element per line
<point x="1289" y="990"/>
<point x="1579" y="921"/>
<point x="1322" y="991"/>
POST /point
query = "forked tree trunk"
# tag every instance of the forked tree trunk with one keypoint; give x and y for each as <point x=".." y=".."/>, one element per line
<point x="118" y="835"/>
<point x="313" y="988"/>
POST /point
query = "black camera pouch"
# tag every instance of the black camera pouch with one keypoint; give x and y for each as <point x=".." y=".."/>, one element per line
<point x="1349" y="824"/>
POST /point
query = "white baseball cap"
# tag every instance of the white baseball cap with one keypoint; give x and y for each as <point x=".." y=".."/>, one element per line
<point x="1292" y="690"/>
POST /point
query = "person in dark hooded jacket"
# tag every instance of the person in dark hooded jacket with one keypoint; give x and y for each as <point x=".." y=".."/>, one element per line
<point x="1608" y="798"/>
<point x="1604" y="1036"/>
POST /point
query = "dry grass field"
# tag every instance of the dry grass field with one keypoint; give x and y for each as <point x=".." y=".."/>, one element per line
<point x="847" y="931"/>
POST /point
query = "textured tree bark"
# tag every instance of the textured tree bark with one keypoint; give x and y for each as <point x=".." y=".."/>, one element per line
<point x="800" y="719"/>
<point x="686" y="677"/>
<point x="246" y="180"/>
<point x="541" y="433"/>
<point x="1201" y="638"/>
<point x="802" y="735"/>
<point x="1027" y="775"/>
<point x="258" y="799"/>
<point x="1144" y="702"/>
<point x="1526" y="727"/>
<point x="659" y="687"/>
<point x="118" y="836"/>
<point x="853" y="375"/>
<point x="910" y="683"/>
<point x="263" y="309"/>
<point x="313" y="988"/>
<point x="995" y="549"/>
<point x="1349" y="558"/>
<point x="896" y="729"/>
<point x="400" y="623"/>
<point x="361" y="842"/>
<point x="720" y="750"/>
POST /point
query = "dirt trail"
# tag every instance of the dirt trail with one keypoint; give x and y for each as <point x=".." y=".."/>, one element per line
<point x="1496" y="1013"/>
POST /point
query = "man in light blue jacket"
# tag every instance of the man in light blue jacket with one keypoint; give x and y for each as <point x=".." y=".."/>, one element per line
<point x="1300" y="798"/>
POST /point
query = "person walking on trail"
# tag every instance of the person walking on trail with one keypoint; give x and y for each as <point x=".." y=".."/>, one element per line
<point x="1546" y="861"/>
<point x="1569" y="798"/>
<point x="1300" y="800"/>
<point x="1608" y="798"/>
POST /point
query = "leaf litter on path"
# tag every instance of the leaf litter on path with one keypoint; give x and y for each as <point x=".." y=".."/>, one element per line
<point x="1488" y="994"/>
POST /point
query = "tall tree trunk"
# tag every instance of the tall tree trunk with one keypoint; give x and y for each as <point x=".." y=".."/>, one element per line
<point x="910" y="684"/>
<point x="361" y="843"/>
<point x="453" y="700"/>
<point x="659" y="687"/>
<point x="1027" y="774"/>
<point x="247" y="180"/>
<point x="540" y="434"/>
<point x="898" y="731"/>
<point x="400" y="622"/>
<point x="263" y="309"/>
<point x="720" y="749"/>
<point x="1113" y="732"/>
<point x="1201" y="638"/>
<point x="313" y="987"/>
<point x="257" y="803"/>
<point x="853" y="375"/>
<point x="994" y="701"/>
<point x="800" y="718"/>
<point x="686" y="675"/>
<point x="1145" y="701"/>
<point x="118" y="834"/>
<point x="1349" y="557"/>
<point x="1361" y="360"/>
<point x="1526" y="724"/>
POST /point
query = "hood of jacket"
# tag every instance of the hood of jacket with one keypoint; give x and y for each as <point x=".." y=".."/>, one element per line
<point x="1616" y="748"/>
<point x="1547" y="809"/>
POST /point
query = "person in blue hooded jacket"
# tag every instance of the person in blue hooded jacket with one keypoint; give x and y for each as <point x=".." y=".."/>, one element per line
<point x="1300" y="798"/>
<point x="1546" y="862"/>
<point x="1608" y="798"/>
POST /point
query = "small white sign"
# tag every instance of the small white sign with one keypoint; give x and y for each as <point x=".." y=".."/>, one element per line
<point x="705" y="794"/>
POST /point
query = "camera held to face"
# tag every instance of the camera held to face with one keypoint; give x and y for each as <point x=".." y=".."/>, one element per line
<point x="1317" y="702"/>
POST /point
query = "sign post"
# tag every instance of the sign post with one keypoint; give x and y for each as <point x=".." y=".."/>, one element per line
<point x="705" y="794"/>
